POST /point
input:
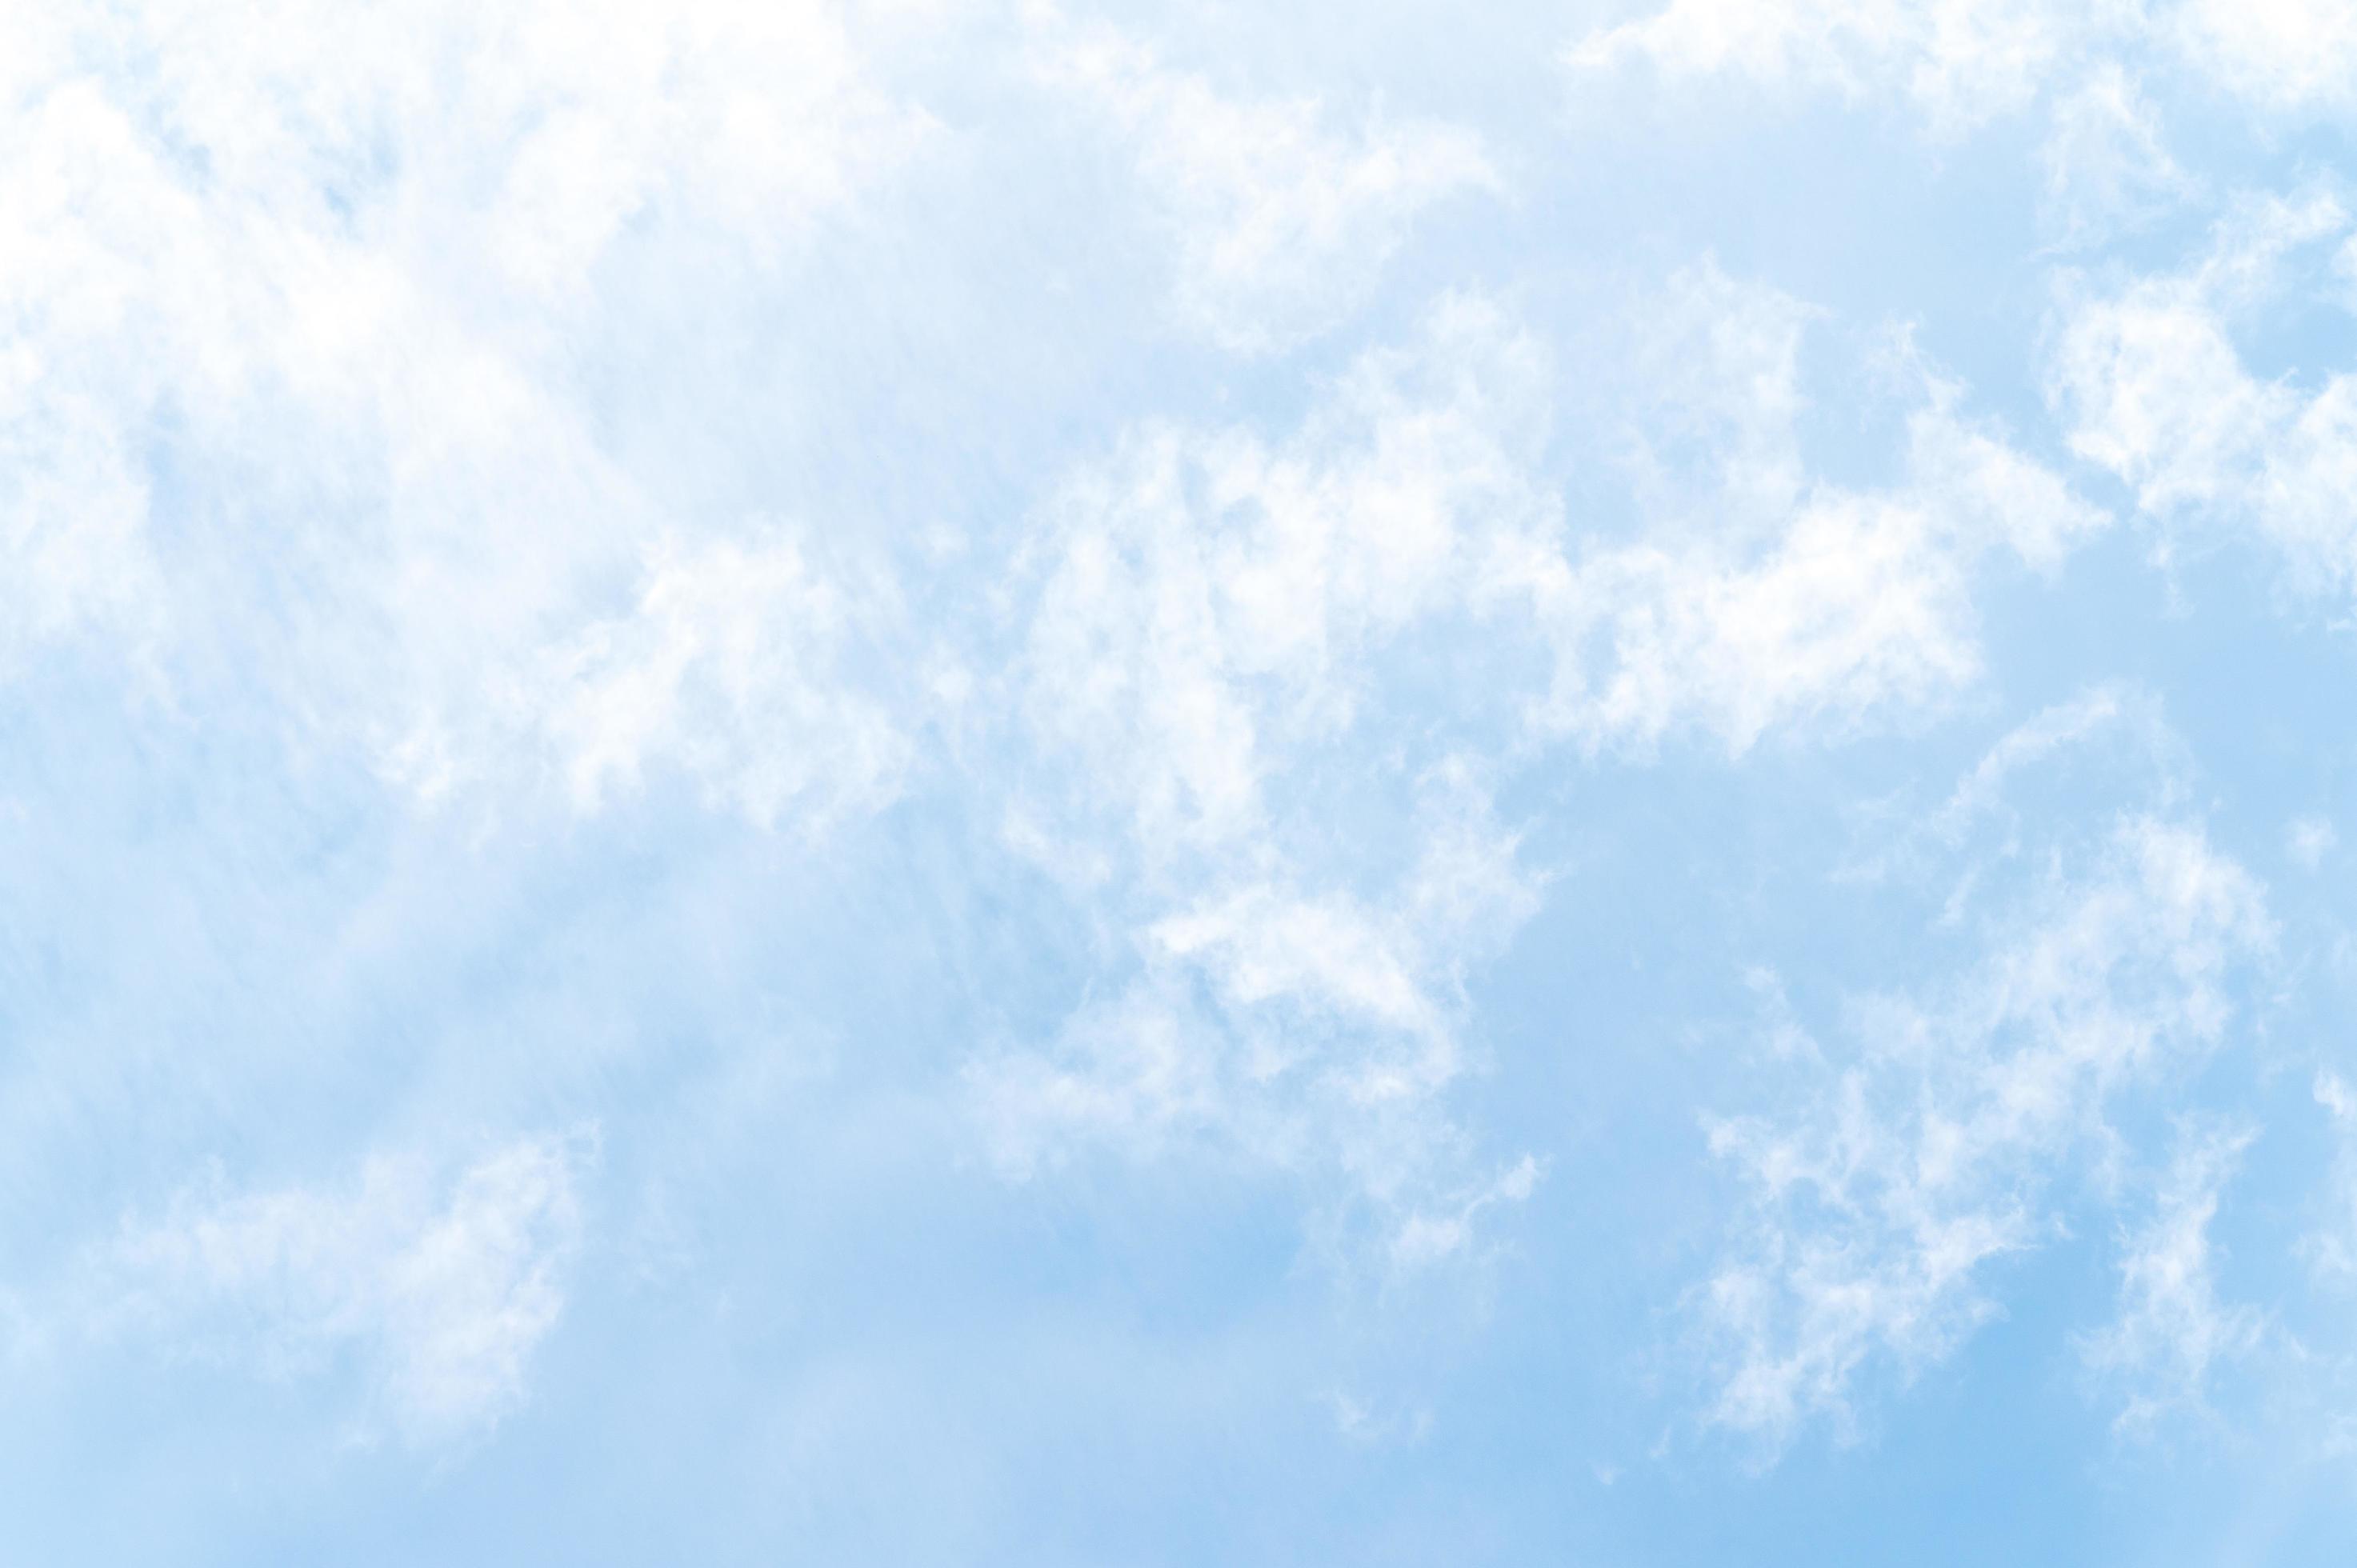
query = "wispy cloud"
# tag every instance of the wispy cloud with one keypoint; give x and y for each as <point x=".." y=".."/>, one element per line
<point x="1881" y="1198"/>
<point x="1280" y="211"/>
<point x="2173" y="1328"/>
<point x="440" y="1286"/>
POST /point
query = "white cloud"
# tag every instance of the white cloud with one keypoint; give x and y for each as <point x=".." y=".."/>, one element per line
<point x="772" y="679"/>
<point x="299" y="306"/>
<point x="2284" y="54"/>
<point x="1207" y="604"/>
<point x="2112" y="737"/>
<point x="527" y="137"/>
<point x="2107" y="168"/>
<point x="2173" y="1328"/>
<point x="732" y="663"/>
<point x="1858" y="609"/>
<point x="1718" y="379"/>
<point x="2152" y="388"/>
<point x="2055" y="729"/>
<point x="73" y="492"/>
<point x="1218" y="634"/>
<point x="1961" y="61"/>
<point x="1219" y="627"/>
<point x="2332" y="1250"/>
<point x="1794" y="601"/>
<point x="1446" y="1229"/>
<point x="1282" y="211"/>
<point x="440" y="1289"/>
<point x="1879" y="1200"/>
<point x="1317" y="1031"/>
<point x="2308" y="839"/>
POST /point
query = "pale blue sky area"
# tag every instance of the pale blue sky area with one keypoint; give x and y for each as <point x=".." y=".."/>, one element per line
<point x="950" y="782"/>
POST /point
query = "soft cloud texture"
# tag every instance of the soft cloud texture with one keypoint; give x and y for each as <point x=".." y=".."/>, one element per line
<point x="1319" y="1031"/>
<point x="1218" y="623"/>
<point x="1800" y="601"/>
<point x="1425" y="771"/>
<point x="2154" y="390"/>
<point x="2172" y="1328"/>
<point x="312" y="293"/>
<point x="1963" y="62"/>
<point x="2282" y="54"/>
<point x="2107" y="168"/>
<point x="1884" y="1199"/>
<point x="1280" y="211"/>
<point x="440" y="1289"/>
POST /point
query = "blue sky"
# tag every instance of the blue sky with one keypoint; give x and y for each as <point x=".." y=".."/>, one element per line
<point x="957" y="782"/>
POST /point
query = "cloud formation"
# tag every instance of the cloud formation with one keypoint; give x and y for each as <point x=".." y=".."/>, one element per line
<point x="1280" y="211"/>
<point x="440" y="1288"/>
<point x="1884" y="1200"/>
<point x="2152" y="387"/>
<point x="1125" y="700"/>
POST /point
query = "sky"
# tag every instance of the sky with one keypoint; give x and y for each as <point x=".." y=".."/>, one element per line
<point x="978" y="782"/>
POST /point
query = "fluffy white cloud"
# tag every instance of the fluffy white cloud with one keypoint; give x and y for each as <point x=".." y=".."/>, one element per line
<point x="1792" y="601"/>
<point x="300" y="304"/>
<point x="2284" y="54"/>
<point x="1209" y="603"/>
<point x="1208" y="599"/>
<point x="1881" y="1197"/>
<point x="2152" y="388"/>
<point x="440" y="1289"/>
<point x="1281" y="211"/>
